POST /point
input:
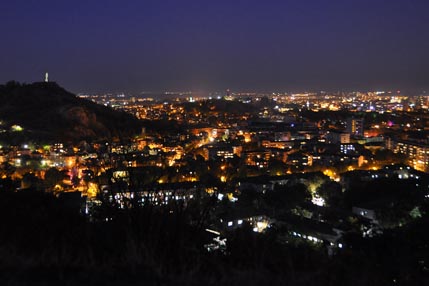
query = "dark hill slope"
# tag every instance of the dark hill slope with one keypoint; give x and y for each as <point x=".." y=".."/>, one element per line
<point x="48" y="112"/>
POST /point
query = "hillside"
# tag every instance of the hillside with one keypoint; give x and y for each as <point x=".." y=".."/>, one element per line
<point x="47" y="112"/>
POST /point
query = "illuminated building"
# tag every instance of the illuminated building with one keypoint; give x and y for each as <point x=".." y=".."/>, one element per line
<point x="258" y="158"/>
<point x="347" y="148"/>
<point x="355" y="126"/>
<point x="220" y="150"/>
<point x="417" y="154"/>
<point x="299" y="159"/>
<point x="277" y="144"/>
<point x="338" y="137"/>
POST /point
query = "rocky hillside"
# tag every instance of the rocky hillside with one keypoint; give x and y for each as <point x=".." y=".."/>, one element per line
<point x="46" y="112"/>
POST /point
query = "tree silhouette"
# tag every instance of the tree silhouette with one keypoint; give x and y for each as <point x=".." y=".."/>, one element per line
<point x="331" y="192"/>
<point x="53" y="177"/>
<point x="285" y="197"/>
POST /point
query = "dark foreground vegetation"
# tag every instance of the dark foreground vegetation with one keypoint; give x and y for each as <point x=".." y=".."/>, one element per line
<point x="44" y="241"/>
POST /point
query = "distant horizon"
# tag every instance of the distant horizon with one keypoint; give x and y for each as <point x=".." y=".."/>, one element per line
<point x="220" y="92"/>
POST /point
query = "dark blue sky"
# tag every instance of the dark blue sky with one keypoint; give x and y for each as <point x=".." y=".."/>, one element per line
<point x="132" y="46"/>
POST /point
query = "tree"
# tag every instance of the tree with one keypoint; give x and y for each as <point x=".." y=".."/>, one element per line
<point x="8" y="185"/>
<point x="29" y="180"/>
<point x="250" y="198"/>
<point x="53" y="177"/>
<point x="7" y="169"/>
<point x="277" y="167"/>
<point x="285" y="197"/>
<point x="331" y="192"/>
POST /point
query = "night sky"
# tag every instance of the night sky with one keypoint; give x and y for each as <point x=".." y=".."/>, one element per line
<point x="134" y="46"/>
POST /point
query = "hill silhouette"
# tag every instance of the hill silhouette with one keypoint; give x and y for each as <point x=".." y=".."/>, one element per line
<point x="47" y="112"/>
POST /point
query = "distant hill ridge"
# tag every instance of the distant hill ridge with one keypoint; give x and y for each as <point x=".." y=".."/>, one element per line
<point x="47" y="112"/>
